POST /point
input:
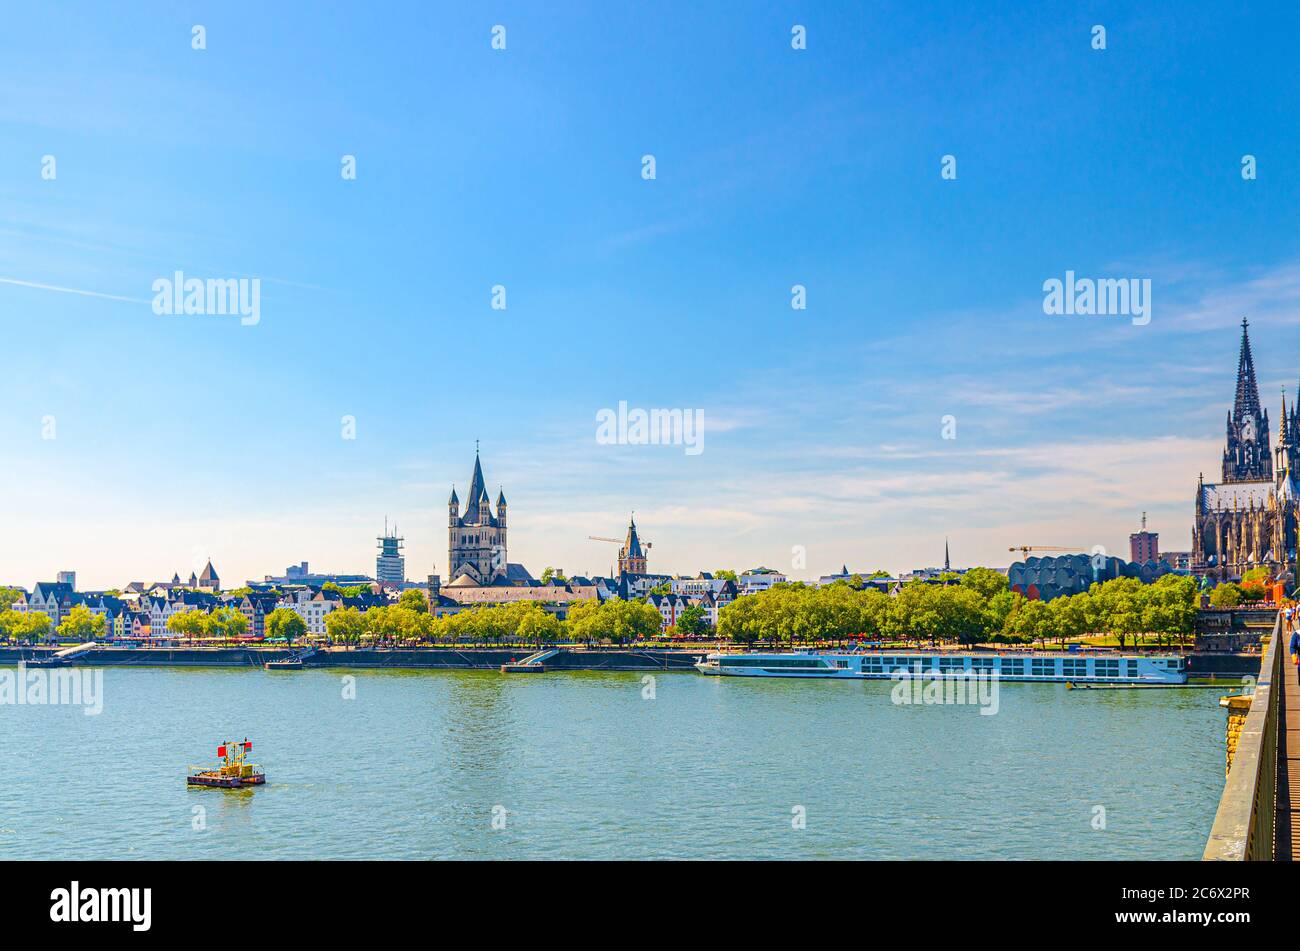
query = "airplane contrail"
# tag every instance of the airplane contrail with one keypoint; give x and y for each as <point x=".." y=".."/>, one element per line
<point x="70" y="290"/>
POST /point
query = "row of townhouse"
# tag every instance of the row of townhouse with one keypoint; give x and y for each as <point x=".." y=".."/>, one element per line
<point x="314" y="606"/>
<point x="143" y="613"/>
<point x="672" y="606"/>
<point x="311" y="605"/>
<point x="57" y="599"/>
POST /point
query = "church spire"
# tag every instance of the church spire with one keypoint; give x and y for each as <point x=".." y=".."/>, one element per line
<point x="1246" y="455"/>
<point x="477" y="491"/>
<point x="631" y="557"/>
<point x="1247" y="401"/>
<point x="946" y="565"/>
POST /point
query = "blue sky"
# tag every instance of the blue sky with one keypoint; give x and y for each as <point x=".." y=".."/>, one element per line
<point x="177" y="438"/>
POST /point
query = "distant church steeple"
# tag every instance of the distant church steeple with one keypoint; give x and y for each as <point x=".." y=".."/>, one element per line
<point x="631" y="557"/>
<point x="946" y="565"/>
<point x="1246" y="456"/>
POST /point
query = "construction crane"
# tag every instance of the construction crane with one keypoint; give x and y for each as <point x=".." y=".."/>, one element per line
<point x="616" y="541"/>
<point x="1026" y="549"/>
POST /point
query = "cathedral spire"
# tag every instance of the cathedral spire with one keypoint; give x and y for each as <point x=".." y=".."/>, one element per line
<point x="1246" y="455"/>
<point x="946" y="565"/>
<point x="1247" y="400"/>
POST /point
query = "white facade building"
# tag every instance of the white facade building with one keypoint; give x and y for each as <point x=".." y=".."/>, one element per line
<point x="760" y="579"/>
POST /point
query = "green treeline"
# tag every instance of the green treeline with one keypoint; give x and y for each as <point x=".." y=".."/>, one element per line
<point x="524" y="621"/>
<point x="972" y="608"/>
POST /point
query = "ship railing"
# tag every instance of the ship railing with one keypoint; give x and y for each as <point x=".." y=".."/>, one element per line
<point x="1245" y="823"/>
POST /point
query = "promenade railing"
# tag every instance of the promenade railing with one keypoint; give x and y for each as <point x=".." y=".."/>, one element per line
<point x="1244" y="826"/>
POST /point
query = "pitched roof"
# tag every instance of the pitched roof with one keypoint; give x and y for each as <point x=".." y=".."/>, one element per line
<point x="517" y="573"/>
<point x="1235" y="494"/>
<point x="208" y="574"/>
<point x="53" y="589"/>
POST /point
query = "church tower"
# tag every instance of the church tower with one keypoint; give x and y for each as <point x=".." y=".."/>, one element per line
<point x="476" y="539"/>
<point x="631" y="557"/>
<point x="1246" y="457"/>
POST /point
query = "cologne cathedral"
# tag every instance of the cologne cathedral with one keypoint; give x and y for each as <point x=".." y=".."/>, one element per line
<point x="1249" y="518"/>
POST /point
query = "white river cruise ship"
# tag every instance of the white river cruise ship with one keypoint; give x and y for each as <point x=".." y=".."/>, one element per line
<point x="1054" y="667"/>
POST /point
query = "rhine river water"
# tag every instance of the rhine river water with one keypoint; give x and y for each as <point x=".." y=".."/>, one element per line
<point x="584" y="766"/>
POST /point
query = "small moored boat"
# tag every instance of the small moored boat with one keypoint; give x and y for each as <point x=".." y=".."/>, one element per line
<point x="232" y="772"/>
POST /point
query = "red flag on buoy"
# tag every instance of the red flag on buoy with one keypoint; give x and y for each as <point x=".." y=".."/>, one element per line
<point x="248" y="744"/>
<point x="221" y="750"/>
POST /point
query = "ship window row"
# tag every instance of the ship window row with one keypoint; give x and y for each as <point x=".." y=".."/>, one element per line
<point x="804" y="662"/>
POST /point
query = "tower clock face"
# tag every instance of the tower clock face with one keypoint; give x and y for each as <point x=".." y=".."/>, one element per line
<point x="1248" y="431"/>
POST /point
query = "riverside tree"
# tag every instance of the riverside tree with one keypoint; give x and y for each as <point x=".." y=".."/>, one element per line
<point x="413" y="599"/>
<point x="615" y="620"/>
<point x="191" y="624"/>
<point x="345" y="625"/>
<point x="285" y="623"/>
<point x="81" y="624"/>
<point x="225" y="624"/>
<point x="694" y="622"/>
<point x="24" y="625"/>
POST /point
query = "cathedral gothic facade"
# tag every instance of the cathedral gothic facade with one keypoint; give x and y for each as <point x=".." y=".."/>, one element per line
<point x="1249" y="519"/>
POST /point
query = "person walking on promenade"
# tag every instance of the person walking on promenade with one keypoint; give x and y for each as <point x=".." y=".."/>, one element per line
<point x="1295" y="652"/>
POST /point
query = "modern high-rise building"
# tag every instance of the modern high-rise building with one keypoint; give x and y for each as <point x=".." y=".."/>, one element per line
<point x="390" y="565"/>
<point x="69" y="578"/>
<point x="1144" y="546"/>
